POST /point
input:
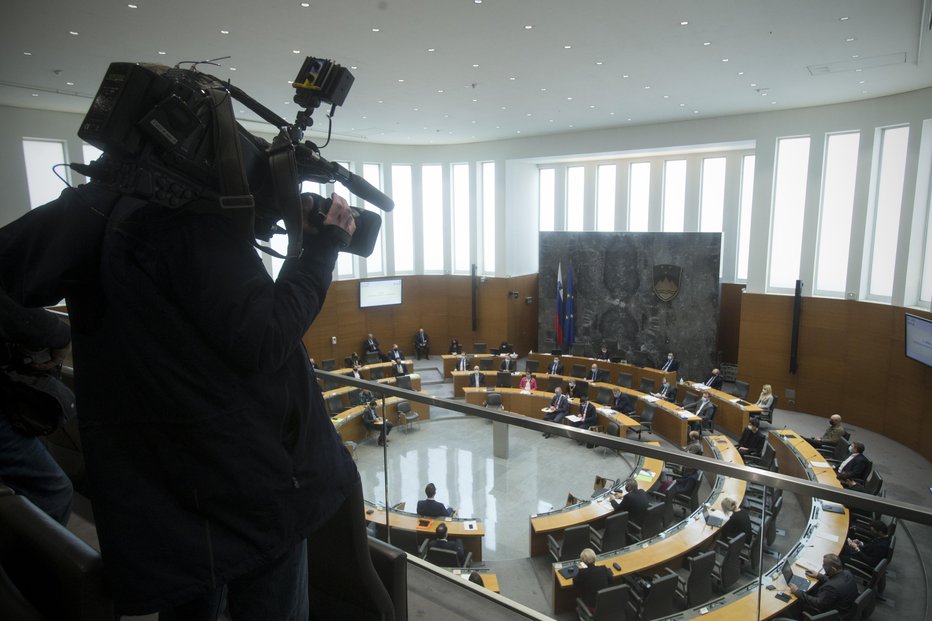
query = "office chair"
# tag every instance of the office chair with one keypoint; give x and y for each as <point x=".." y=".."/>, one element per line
<point x="610" y="603"/>
<point x="697" y="587"/>
<point x="625" y="380"/>
<point x="531" y="365"/>
<point x="741" y="389"/>
<point x="479" y="348"/>
<point x="613" y="536"/>
<point x="575" y="539"/>
<point x="647" y="385"/>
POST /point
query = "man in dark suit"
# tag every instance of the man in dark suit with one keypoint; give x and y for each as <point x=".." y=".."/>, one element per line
<point x="509" y="363"/>
<point x="704" y="408"/>
<point x="594" y="374"/>
<point x="603" y="353"/>
<point x="836" y="588"/>
<point x="371" y="420"/>
<point x="621" y="402"/>
<point x="635" y="502"/>
<point x="667" y="391"/>
<point x="430" y="507"/>
<point x="715" y="380"/>
<point x="576" y="389"/>
<point x="462" y="363"/>
<point x="394" y="354"/>
<point x="445" y="544"/>
<point x="476" y="378"/>
<point x="670" y="364"/>
<point x="371" y="345"/>
<point x="869" y="552"/>
<point x="422" y="344"/>
<point x="588" y="414"/>
<point x="752" y="440"/>
<point x="558" y="408"/>
<point x="555" y="367"/>
<point x="856" y="466"/>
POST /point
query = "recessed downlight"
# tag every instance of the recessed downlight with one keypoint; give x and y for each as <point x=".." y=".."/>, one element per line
<point x="161" y="53"/>
<point x="567" y="47"/>
<point x="684" y="23"/>
<point x="528" y="27"/>
<point x="73" y="33"/>
<point x="224" y="32"/>
<point x="132" y="6"/>
<point x="70" y="83"/>
<point x="706" y="43"/>
<point x="851" y="39"/>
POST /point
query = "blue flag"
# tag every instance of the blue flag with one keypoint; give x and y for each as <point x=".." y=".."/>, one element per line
<point x="558" y="322"/>
<point x="569" y="309"/>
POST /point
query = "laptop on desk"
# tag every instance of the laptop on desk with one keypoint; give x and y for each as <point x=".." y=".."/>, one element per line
<point x="801" y="583"/>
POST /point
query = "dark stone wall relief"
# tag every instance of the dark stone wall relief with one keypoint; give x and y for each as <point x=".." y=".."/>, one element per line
<point x="643" y="294"/>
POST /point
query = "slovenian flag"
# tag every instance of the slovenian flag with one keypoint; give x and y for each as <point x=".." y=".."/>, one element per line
<point x="559" y="318"/>
<point x="569" y="309"/>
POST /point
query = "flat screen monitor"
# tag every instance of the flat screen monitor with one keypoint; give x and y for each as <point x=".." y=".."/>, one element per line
<point x="919" y="339"/>
<point x="379" y="292"/>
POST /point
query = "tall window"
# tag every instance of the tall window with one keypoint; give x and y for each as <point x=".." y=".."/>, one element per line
<point x="374" y="264"/>
<point x="575" y="197"/>
<point x="888" y="198"/>
<point x="605" y="198"/>
<point x="744" y="219"/>
<point x="789" y="205"/>
<point x="403" y="218"/>
<point x="925" y="291"/>
<point x="346" y="265"/>
<point x="432" y="209"/>
<point x="674" y="196"/>
<point x="461" y="221"/>
<point x="639" y="197"/>
<point x="712" y="204"/>
<point x="488" y="217"/>
<point x="546" y="184"/>
<point x="41" y="156"/>
<point x="841" y="167"/>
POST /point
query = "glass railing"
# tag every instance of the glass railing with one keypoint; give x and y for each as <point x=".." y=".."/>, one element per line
<point x="749" y="579"/>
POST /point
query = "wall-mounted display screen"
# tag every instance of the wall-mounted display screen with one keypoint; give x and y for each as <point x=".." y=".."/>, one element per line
<point x="919" y="339"/>
<point x="379" y="292"/>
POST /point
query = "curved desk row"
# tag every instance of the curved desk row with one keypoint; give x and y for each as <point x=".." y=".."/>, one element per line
<point x="825" y="533"/>
<point x="469" y="531"/>
<point x="613" y="368"/>
<point x="450" y="360"/>
<point x="377" y="370"/>
<point x="731" y="414"/>
<point x="646" y="472"/>
<point x="349" y="422"/>
<point x="344" y="393"/>
<point x="670" y="547"/>
<point x="670" y="420"/>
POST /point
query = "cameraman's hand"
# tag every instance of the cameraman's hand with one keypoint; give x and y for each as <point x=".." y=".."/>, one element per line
<point x="57" y="358"/>
<point x="340" y="214"/>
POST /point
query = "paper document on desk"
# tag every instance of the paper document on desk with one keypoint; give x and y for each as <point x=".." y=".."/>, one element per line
<point x="606" y="411"/>
<point x="820" y="464"/>
<point x="700" y="386"/>
<point x="685" y="414"/>
<point x="525" y="392"/>
<point x="810" y="565"/>
<point x="830" y="537"/>
<point x="470" y="525"/>
<point x="644" y="476"/>
<point x="649" y="398"/>
<point x="574" y="418"/>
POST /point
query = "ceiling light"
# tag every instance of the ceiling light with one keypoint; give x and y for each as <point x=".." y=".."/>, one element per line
<point x="305" y="4"/>
<point x="477" y="1"/>
<point x="232" y="68"/>
<point x="682" y="105"/>
<point x="401" y="79"/>
<point x="378" y="101"/>
<point x="440" y="90"/>
<point x="598" y="62"/>
<point x="475" y="100"/>
<point x="161" y="53"/>
<point x="647" y="88"/>
<point x="855" y="56"/>
<point x="543" y="90"/>
<point x="295" y="51"/>
<point x="73" y="33"/>
<point x="695" y="112"/>
<point x="518" y="131"/>
<point x="567" y="47"/>
<point x="629" y="118"/>
<point x="431" y="49"/>
<point x="473" y="122"/>
<point x="850" y="39"/>
<point x="569" y="99"/>
<point x="625" y="76"/>
<point x="70" y="83"/>
<point x="528" y="27"/>
<point x="504" y="107"/>
<point x="512" y="78"/>
<point x="528" y="114"/>
<point x="224" y="32"/>
<point x="684" y="23"/>
<point x="611" y="114"/>
<point x="843" y="19"/>
<point x="724" y="60"/>
<point x="550" y="121"/>
<point x="27" y="53"/>
<point x="861" y="82"/>
<point x="132" y="6"/>
<point x="666" y="97"/>
<point x="35" y="94"/>
<point x="740" y="73"/>
<point x="475" y="66"/>
<point x="858" y="70"/>
<point x="416" y="109"/>
<point x="707" y="43"/>
<point x="376" y="29"/>
<point x="354" y="67"/>
<point x="590" y="107"/>
<point x="753" y="84"/>
<point x="772" y="103"/>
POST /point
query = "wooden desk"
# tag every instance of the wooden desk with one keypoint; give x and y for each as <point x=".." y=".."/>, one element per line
<point x="457" y="528"/>
<point x="670" y="547"/>
<point x="592" y="511"/>
<point x="795" y="457"/>
<point x="349" y="422"/>
<point x="385" y="367"/>
<point x="345" y="392"/>
<point x="614" y="368"/>
<point x="449" y="361"/>
<point x="489" y="580"/>
<point x="729" y="414"/>
<point x="530" y="404"/>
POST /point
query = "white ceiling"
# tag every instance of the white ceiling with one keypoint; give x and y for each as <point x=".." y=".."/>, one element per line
<point x="583" y="65"/>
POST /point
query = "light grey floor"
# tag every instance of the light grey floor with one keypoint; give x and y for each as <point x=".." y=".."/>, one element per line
<point x="454" y="452"/>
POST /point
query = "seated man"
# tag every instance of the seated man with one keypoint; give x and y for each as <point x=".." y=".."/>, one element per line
<point x="558" y="408"/>
<point x="591" y="579"/>
<point x="505" y="348"/>
<point x="715" y="380"/>
<point x="445" y="544"/>
<point x="555" y="367"/>
<point x="594" y="375"/>
<point x="422" y="344"/>
<point x="856" y="466"/>
<point x="869" y="552"/>
<point x="509" y="363"/>
<point x="752" y="440"/>
<point x="704" y="408"/>
<point x="356" y="372"/>
<point x="621" y="402"/>
<point x="394" y="354"/>
<point x="371" y="345"/>
<point x="635" y="501"/>
<point x="667" y="391"/>
<point x="588" y="415"/>
<point x="833" y="434"/>
<point x="836" y="588"/>
<point x="462" y="363"/>
<point x="603" y="353"/>
<point x="476" y="378"/>
<point x="669" y="364"/>
<point x="371" y="420"/>
<point x="399" y="368"/>
<point x="430" y="507"/>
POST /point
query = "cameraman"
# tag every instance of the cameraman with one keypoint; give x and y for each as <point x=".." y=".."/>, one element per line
<point x="211" y="460"/>
<point x="25" y="464"/>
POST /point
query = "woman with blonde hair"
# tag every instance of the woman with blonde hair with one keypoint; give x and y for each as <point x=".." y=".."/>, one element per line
<point x="765" y="400"/>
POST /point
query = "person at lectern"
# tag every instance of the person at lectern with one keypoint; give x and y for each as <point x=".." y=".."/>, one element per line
<point x="433" y="508"/>
<point x="422" y="344"/>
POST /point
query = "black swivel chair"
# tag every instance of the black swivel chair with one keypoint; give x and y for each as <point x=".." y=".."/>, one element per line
<point x="697" y="587"/>
<point x="647" y="385"/>
<point x="614" y="536"/>
<point x="487" y="364"/>
<point x="479" y="348"/>
<point x="328" y="364"/>
<point x="579" y="370"/>
<point x="575" y="540"/>
<point x="625" y="379"/>
<point x="610" y="603"/>
<point x="727" y="568"/>
<point x="656" y="601"/>
<point x="531" y="365"/>
<point x="741" y="389"/>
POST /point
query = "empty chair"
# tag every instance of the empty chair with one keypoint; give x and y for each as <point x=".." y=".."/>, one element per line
<point x="874" y="483"/>
<point x="647" y="385"/>
<point x="486" y="364"/>
<point x="531" y="366"/>
<point x="372" y="357"/>
<point x="348" y="361"/>
<point x="579" y="370"/>
<point x="625" y="379"/>
<point x="646" y="420"/>
<point x="751" y="554"/>
<point x="403" y="381"/>
<point x="575" y="539"/>
<point x="741" y="389"/>
<point x="614" y="536"/>
<point x="479" y="348"/>
<point x="764" y="461"/>
<point x="376" y="373"/>
<point x="657" y="601"/>
<point x="697" y="588"/>
<point x="328" y="364"/>
<point x="666" y="498"/>
<point x="553" y="382"/>
<point x="727" y="568"/>
<point x="690" y="501"/>
<point x="651" y="525"/>
<point x="503" y="379"/>
<point x="335" y="405"/>
<point x="610" y="603"/>
<point x="494" y="400"/>
<point x="442" y="557"/>
<point x="605" y="395"/>
<point x="406" y="415"/>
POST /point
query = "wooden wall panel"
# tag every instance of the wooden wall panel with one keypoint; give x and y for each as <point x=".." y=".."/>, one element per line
<point x="442" y="305"/>
<point x="729" y="321"/>
<point x="851" y="362"/>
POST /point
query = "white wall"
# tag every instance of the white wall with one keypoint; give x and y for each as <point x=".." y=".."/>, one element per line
<point x="517" y="160"/>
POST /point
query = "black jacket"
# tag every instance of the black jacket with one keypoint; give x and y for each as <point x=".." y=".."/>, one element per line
<point x="208" y="448"/>
<point x="635" y="503"/>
